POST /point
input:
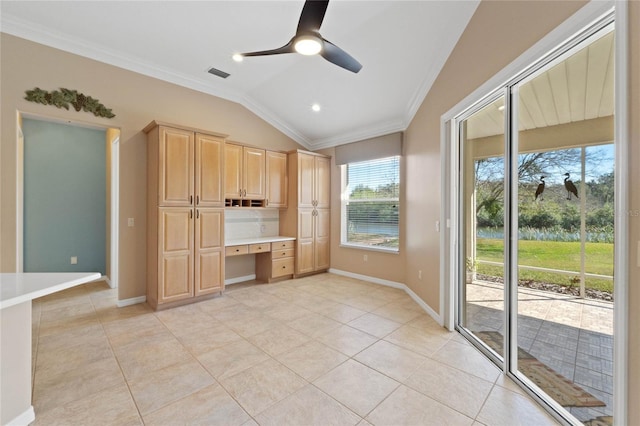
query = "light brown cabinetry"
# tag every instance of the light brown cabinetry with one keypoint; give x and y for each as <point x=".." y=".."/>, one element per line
<point x="244" y="173"/>
<point x="308" y="215"/>
<point x="278" y="263"/>
<point x="185" y="214"/>
<point x="276" y="179"/>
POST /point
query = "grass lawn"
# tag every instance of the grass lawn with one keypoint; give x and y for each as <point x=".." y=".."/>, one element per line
<point x="552" y="255"/>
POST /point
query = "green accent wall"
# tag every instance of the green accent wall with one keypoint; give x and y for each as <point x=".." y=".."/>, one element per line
<point x="64" y="197"/>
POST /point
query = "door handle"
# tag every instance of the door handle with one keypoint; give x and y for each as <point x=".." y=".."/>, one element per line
<point x="197" y="214"/>
<point x="190" y="214"/>
<point x="198" y="199"/>
<point x="190" y="199"/>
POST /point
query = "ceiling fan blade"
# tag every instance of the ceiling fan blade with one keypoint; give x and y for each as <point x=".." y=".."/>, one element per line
<point x="287" y="48"/>
<point x="335" y="55"/>
<point x="312" y="16"/>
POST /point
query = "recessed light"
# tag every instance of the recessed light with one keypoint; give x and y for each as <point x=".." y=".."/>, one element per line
<point x="501" y="108"/>
<point x="315" y="107"/>
<point x="237" y="57"/>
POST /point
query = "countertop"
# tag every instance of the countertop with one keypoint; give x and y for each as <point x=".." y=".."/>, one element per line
<point x="257" y="240"/>
<point x="17" y="288"/>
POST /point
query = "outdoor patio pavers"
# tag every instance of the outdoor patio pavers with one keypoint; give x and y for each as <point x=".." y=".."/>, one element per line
<point x="571" y="335"/>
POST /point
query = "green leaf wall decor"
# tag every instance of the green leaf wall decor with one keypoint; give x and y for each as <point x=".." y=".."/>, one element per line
<point x="64" y="97"/>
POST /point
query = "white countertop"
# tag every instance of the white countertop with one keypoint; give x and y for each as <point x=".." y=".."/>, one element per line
<point x="257" y="240"/>
<point x="17" y="288"/>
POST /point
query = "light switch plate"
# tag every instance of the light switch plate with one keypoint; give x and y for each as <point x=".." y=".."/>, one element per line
<point x="130" y="222"/>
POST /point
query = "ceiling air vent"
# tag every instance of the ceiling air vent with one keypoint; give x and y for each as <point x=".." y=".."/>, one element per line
<point x="219" y="73"/>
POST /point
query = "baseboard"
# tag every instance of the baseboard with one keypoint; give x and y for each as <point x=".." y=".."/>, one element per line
<point x="131" y="301"/>
<point x="108" y="281"/>
<point x="24" y="419"/>
<point x="237" y="280"/>
<point x="393" y="284"/>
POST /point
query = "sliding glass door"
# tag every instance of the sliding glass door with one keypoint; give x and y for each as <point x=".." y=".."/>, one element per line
<point x="482" y="185"/>
<point x="536" y="225"/>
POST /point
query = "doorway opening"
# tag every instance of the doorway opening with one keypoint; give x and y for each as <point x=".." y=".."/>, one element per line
<point x="79" y="226"/>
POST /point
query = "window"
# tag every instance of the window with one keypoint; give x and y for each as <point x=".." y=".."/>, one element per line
<point x="370" y="201"/>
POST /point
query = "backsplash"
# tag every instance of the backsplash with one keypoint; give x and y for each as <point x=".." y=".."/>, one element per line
<point x="250" y="223"/>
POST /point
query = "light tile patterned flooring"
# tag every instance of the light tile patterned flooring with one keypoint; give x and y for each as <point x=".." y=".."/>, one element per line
<point x="571" y="335"/>
<point x="324" y="350"/>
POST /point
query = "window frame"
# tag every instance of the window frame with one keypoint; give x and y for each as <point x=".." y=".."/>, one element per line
<point x="344" y="201"/>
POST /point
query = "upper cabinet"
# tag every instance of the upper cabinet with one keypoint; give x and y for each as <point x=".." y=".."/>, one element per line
<point x="183" y="154"/>
<point x="314" y="179"/>
<point x="254" y="177"/>
<point x="276" y="180"/>
<point x="209" y="163"/>
<point x="175" y="151"/>
<point x="245" y="169"/>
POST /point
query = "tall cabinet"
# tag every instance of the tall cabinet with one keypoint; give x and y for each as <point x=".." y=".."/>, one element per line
<point x="185" y="214"/>
<point x="308" y="215"/>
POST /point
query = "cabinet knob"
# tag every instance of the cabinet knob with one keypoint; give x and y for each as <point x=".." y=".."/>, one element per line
<point x="237" y="250"/>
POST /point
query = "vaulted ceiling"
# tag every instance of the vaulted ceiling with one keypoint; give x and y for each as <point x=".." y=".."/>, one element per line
<point x="402" y="46"/>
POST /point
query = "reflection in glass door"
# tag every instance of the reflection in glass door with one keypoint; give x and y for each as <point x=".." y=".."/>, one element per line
<point x="536" y="225"/>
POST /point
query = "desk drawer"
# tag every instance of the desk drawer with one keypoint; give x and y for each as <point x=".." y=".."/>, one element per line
<point x="279" y="254"/>
<point x="282" y="245"/>
<point x="282" y="267"/>
<point x="259" y="248"/>
<point x="236" y="250"/>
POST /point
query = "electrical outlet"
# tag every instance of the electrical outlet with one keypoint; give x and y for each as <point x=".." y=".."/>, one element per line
<point x="74" y="260"/>
<point x="130" y="222"/>
<point x="420" y="274"/>
<point x="366" y="258"/>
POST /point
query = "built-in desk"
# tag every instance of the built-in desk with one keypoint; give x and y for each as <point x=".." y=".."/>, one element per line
<point x="16" y="293"/>
<point x="275" y="256"/>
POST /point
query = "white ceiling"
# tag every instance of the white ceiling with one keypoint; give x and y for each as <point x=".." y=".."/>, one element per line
<point x="402" y="46"/>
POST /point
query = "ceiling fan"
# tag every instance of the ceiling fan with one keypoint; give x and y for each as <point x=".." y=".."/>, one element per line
<point x="308" y="40"/>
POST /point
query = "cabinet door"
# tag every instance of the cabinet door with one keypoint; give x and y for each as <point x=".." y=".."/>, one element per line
<point x="322" y="228"/>
<point x="276" y="179"/>
<point x="305" y="243"/>
<point x="208" y="165"/>
<point x="253" y="174"/>
<point x="322" y="180"/>
<point x="175" y="274"/>
<point x="176" y="167"/>
<point x="209" y="252"/>
<point x="232" y="171"/>
<point x="306" y="167"/>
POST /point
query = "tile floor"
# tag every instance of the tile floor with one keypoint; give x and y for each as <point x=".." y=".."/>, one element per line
<point x="573" y="336"/>
<point x="324" y="350"/>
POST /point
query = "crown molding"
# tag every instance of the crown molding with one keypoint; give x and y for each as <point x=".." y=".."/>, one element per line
<point x="373" y="131"/>
<point x="20" y="28"/>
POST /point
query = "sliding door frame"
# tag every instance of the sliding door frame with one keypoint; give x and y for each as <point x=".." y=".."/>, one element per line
<point x="586" y="22"/>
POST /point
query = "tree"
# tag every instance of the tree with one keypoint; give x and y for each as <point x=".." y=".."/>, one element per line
<point x="489" y="173"/>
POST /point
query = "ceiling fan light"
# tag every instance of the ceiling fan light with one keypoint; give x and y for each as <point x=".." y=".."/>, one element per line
<point x="308" y="45"/>
<point x="237" y="57"/>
